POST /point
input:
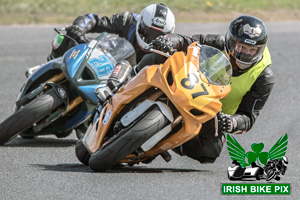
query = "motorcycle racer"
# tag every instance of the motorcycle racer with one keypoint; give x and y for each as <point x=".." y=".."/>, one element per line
<point x="139" y="29"/>
<point x="277" y="166"/>
<point x="252" y="81"/>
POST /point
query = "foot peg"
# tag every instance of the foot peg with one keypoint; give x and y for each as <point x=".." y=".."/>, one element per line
<point x="166" y="156"/>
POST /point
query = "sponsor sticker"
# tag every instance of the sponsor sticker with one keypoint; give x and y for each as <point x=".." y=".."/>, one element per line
<point x="157" y="21"/>
<point x="107" y="117"/>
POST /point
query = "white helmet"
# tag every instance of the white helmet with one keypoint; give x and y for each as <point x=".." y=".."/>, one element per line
<point x="155" y="20"/>
<point x="285" y="161"/>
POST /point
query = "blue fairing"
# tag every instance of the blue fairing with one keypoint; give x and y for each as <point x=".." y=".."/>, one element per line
<point x="79" y="72"/>
<point x="101" y="65"/>
<point x="89" y="90"/>
<point x="74" y="57"/>
<point x="42" y="70"/>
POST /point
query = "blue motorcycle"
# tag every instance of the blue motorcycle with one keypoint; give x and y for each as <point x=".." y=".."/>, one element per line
<point x="59" y="96"/>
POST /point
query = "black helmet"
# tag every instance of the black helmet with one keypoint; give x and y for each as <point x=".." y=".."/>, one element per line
<point x="245" y="41"/>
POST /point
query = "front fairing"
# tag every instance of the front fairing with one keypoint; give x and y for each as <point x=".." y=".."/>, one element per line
<point x="88" y="65"/>
<point x="74" y="57"/>
<point x="81" y="70"/>
<point x="44" y="69"/>
<point x="194" y="95"/>
<point x="85" y="65"/>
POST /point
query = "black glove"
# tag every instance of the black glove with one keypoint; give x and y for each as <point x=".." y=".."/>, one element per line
<point x="225" y="123"/>
<point x="75" y="32"/>
<point x="163" y="43"/>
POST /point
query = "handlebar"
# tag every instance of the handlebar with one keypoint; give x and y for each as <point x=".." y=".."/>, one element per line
<point x="150" y="48"/>
<point x="65" y="28"/>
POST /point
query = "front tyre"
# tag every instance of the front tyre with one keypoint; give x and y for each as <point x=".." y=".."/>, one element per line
<point x="80" y="130"/>
<point x="82" y="154"/>
<point x="270" y="175"/>
<point x="32" y="112"/>
<point x="112" y="153"/>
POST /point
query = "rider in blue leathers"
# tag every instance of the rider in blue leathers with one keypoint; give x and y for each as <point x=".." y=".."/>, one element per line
<point x="138" y="29"/>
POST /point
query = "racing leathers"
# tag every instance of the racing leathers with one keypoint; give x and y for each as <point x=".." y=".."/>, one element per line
<point x="250" y="91"/>
<point x="123" y="24"/>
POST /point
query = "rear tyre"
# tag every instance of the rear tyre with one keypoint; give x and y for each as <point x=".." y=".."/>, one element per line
<point x="82" y="154"/>
<point x="32" y="112"/>
<point x="113" y="152"/>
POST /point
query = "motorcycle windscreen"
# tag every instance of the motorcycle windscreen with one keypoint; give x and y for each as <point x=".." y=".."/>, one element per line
<point x="119" y="48"/>
<point x="215" y="66"/>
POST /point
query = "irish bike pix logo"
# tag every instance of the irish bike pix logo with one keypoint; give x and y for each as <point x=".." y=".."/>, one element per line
<point x="257" y="164"/>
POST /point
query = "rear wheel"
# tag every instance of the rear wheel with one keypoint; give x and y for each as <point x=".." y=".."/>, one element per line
<point x="113" y="152"/>
<point x="32" y="112"/>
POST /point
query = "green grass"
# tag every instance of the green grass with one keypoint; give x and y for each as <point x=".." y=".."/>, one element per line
<point x="65" y="11"/>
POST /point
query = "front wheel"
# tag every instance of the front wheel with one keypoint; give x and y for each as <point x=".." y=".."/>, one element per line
<point x="80" y="131"/>
<point x="32" y="112"/>
<point x="270" y="175"/>
<point x="82" y="154"/>
<point x="111" y="154"/>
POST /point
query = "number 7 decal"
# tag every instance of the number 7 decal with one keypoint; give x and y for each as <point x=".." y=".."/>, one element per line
<point x="194" y="77"/>
<point x="197" y="94"/>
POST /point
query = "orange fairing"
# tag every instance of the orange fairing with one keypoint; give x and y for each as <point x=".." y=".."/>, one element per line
<point x="180" y="79"/>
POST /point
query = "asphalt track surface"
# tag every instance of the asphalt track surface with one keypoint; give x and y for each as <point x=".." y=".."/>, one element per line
<point x="47" y="168"/>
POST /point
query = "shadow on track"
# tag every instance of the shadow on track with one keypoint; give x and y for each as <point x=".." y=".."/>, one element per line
<point x="135" y="169"/>
<point x="40" y="142"/>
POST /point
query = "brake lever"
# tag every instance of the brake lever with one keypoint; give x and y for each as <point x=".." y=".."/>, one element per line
<point x="62" y="29"/>
<point x="160" y="53"/>
<point x="83" y="39"/>
<point x="216" y="124"/>
<point x="150" y="49"/>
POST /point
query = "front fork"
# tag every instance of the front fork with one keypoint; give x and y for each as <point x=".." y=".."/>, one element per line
<point x="61" y="93"/>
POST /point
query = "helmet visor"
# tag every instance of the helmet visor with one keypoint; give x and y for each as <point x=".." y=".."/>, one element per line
<point x="244" y="51"/>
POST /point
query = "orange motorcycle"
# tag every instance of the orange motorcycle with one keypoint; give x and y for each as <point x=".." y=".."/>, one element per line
<point x="160" y="108"/>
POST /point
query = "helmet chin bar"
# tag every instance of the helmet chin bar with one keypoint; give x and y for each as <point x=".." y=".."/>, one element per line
<point x="243" y="66"/>
<point x="238" y="65"/>
<point x="142" y="44"/>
